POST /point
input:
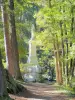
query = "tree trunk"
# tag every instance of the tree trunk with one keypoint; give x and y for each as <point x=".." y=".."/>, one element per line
<point x="3" y="88"/>
<point x="14" y="40"/>
<point x="63" y="52"/>
<point x="58" y="63"/>
<point x="66" y="67"/>
<point x="72" y="31"/>
<point x="7" y="40"/>
<point x="49" y="3"/>
<point x="73" y="69"/>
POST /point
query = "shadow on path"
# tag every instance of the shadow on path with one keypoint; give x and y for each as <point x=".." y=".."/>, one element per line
<point x="38" y="91"/>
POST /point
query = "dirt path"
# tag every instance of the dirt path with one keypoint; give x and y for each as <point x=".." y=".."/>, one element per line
<point x="38" y="91"/>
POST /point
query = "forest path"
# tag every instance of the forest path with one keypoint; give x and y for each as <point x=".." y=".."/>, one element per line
<point x="40" y="91"/>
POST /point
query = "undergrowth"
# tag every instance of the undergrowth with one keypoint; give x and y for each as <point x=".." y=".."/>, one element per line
<point x="70" y="91"/>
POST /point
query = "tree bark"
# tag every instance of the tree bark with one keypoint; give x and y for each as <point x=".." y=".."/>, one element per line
<point x="72" y="31"/>
<point x="63" y="51"/>
<point x="49" y="3"/>
<point x="58" y="63"/>
<point x="6" y="39"/>
<point x="66" y="67"/>
<point x="14" y="41"/>
<point x="3" y="88"/>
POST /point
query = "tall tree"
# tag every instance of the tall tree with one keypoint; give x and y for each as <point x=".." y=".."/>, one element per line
<point x="14" y="40"/>
<point x="72" y="61"/>
<point x="6" y="38"/>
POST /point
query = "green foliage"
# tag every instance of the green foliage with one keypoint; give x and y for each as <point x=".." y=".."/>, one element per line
<point x="41" y="78"/>
<point x="54" y="22"/>
<point x="22" y="68"/>
<point x="24" y="15"/>
<point x="46" y="62"/>
<point x="5" y="98"/>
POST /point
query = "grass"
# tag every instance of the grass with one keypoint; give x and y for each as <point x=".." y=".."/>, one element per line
<point x="67" y="90"/>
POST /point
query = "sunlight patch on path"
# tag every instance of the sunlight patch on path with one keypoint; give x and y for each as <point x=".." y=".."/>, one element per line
<point x="35" y="99"/>
<point x="55" y="92"/>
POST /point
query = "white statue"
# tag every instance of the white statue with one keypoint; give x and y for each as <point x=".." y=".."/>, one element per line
<point x="33" y="68"/>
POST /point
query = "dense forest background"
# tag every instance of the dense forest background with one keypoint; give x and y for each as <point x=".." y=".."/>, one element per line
<point x="54" y="22"/>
